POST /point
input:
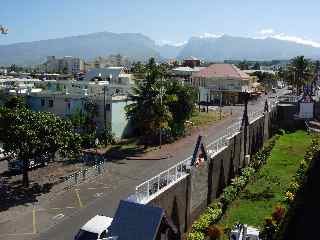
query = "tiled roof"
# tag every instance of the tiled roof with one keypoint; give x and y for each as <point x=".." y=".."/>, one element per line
<point x="221" y="70"/>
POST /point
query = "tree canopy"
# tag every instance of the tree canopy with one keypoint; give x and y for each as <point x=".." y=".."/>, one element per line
<point x="28" y="134"/>
<point x="160" y="104"/>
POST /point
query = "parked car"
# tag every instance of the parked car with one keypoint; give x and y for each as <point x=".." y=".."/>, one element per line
<point x="96" y="228"/>
<point x="16" y="165"/>
<point x="242" y="231"/>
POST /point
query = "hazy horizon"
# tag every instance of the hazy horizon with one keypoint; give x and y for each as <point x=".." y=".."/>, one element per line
<point x="166" y="22"/>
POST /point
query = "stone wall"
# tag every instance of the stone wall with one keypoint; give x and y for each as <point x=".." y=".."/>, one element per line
<point x="188" y="198"/>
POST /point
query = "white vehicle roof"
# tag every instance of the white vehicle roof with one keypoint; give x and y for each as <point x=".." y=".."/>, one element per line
<point x="97" y="224"/>
<point x="252" y="231"/>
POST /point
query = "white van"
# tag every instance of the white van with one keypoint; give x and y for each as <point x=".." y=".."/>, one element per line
<point x="96" y="228"/>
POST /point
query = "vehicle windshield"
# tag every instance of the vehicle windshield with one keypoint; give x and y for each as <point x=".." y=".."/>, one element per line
<point x="85" y="235"/>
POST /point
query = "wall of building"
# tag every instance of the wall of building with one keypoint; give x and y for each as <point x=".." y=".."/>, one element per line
<point x="205" y="183"/>
<point x="120" y="125"/>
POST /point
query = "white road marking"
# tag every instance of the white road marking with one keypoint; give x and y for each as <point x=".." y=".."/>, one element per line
<point x="58" y="216"/>
<point x="98" y="194"/>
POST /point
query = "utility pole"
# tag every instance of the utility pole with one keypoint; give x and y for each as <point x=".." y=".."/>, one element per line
<point x="220" y="105"/>
<point x="207" y="102"/>
<point x="161" y="93"/>
<point x="104" y="109"/>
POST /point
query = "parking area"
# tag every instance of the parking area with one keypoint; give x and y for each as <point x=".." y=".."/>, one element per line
<point x="52" y="209"/>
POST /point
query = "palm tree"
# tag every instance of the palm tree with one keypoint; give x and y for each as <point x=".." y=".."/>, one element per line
<point x="149" y="110"/>
<point x="299" y="72"/>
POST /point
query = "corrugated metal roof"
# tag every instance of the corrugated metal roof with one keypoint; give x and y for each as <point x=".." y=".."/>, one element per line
<point x="134" y="221"/>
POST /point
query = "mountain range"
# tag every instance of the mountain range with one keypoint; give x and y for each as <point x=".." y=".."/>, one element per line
<point x="137" y="46"/>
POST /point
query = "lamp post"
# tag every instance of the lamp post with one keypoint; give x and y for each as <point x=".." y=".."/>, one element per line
<point x="161" y="93"/>
<point x="96" y="143"/>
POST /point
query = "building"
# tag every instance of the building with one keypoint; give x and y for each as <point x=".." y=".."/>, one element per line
<point x="66" y="64"/>
<point x="191" y="62"/>
<point x="105" y="62"/>
<point x="115" y="75"/>
<point x="110" y="108"/>
<point x="222" y="82"/>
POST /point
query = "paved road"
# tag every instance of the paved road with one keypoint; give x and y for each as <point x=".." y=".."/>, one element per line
<point x="60" y="218"/>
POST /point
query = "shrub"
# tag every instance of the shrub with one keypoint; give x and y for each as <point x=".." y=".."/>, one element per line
<point x="196" y="236"/>
<point x="215" y="232"/>
<point x="216" y="209"/>
<point x="278" y="214"/>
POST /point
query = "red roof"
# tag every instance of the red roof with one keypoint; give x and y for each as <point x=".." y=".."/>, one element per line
<point x="221" y="70"/>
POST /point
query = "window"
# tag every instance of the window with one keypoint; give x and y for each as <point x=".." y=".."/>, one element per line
<point x="42" y="102"/>
<point x="108" y="107"/>
<point x="50" y="103"/>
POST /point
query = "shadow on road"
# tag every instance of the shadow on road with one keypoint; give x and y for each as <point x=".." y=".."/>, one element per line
<point x="12" y="193"/>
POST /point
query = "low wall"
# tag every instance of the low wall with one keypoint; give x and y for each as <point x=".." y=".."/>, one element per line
<point x="188" y="198"/>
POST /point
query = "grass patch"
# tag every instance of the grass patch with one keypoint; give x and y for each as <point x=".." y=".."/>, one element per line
<point x="266" y="189"/>
<point x="203" y="118"/>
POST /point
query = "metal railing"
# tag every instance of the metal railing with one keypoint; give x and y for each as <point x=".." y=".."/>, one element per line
<point x="233" y="129"/>
<point x="151" y="187"/>
<point x="218" y="144"/>
<point x="83" y="175"/>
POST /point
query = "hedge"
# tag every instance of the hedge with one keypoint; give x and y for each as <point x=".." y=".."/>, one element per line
<point x="275" y="229"/>
<point x="216" y="209"/>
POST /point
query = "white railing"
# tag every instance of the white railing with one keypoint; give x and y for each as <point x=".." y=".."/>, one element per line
<point x="290" y="99"/>
<point x="218" y="144"/>
<point x="233" y="129"/>
<point x="83" y="175"/>
<point x="151" y="187"/>
<point x="254" y="115"/>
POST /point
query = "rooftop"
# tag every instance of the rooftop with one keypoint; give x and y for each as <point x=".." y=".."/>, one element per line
<point x="222" y="71"/>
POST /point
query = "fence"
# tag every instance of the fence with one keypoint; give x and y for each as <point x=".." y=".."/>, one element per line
<point x="83" y="175"/>
<point x="151" y="187"/>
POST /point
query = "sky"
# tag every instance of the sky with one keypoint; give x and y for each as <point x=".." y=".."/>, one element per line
<point x="165" y="21"/>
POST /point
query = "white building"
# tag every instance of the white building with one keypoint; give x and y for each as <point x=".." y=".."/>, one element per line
<point x="66" y="64"/>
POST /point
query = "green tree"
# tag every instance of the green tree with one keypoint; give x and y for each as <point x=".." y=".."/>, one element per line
<point x="149" y="111"/>
<point x="138" y="67"/>
<point x="160" y="104"/>
<point x="243" y="65"/>
<point x="256" y="66"/>
<point x="299" y="73"/>
<point x="183" y="107"/>
<point x="29" y="134"/>
<point x="14" y="102"/>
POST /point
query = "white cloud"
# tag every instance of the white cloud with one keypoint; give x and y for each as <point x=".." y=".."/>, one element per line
<point x="284" y="37"/>
<point x="211" y="35"/>
<point x="266" y="31"/>
<point x="167" y="42"/>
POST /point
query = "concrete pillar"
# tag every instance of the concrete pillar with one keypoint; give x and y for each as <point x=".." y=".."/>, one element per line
<point x="245" y="135"/>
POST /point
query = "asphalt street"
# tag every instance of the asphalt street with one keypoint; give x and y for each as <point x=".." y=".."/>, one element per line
<point x="61" y="216"/>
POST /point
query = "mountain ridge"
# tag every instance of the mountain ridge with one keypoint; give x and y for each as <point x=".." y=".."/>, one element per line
<point x="139" y="47"/>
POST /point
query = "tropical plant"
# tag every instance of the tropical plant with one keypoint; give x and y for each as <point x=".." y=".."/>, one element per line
<point x="30" y="134"/>
<point x="299" y="73"/>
